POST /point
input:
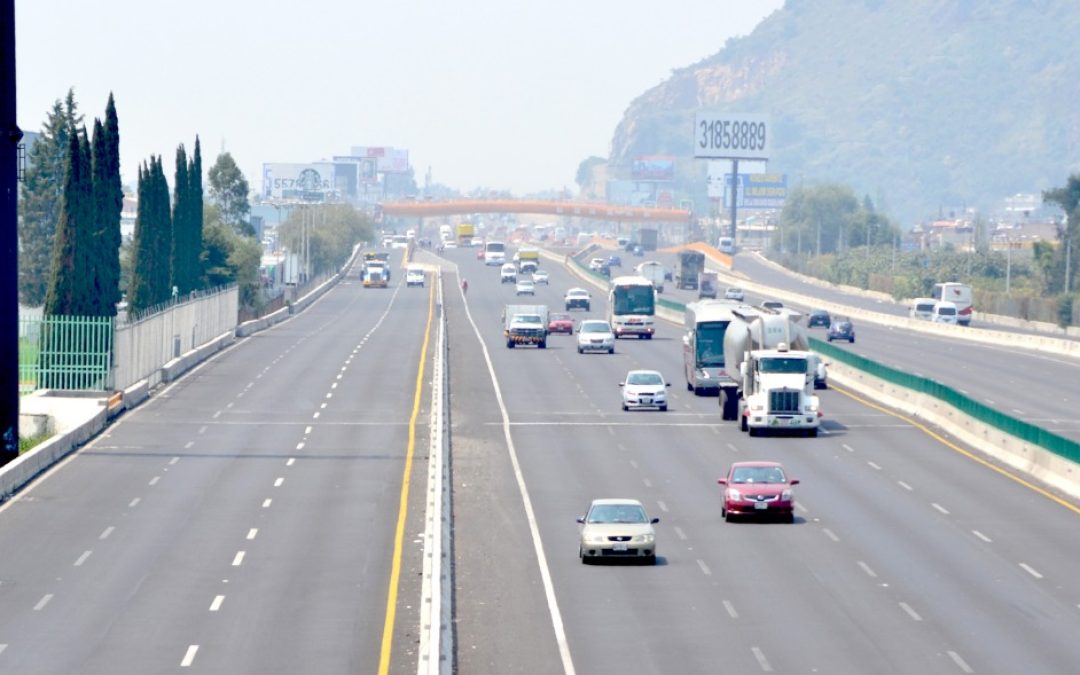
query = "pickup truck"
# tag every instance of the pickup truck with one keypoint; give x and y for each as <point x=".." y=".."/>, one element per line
<point x="525" y="325"/>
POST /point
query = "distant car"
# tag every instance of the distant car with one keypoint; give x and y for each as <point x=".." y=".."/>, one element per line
<point x="734" y="293"/>
<point x="617" y="528"/>
<point x="772" y="304"/>
<point x="449" y="243"/>
<point x="637" y="250"/>
<point x="540" y="277"/>
<point x="945" y="312"/>
<point x="923" y="308"/>
<point x="578" y="298"/>
<point x="614" y="261"/>
<point x="525" y="287"/>
<point x="644" y="389"/>
<point x="414" y="276"/>
<point x="508" y="274"/>
<point x="841" y="329"/>
<point x="595" y="335"/>
<point x="818" y="317"/>
<point x="596" y="264"/>
<point x="561" y="323"/>
<point x="758" y="488"/>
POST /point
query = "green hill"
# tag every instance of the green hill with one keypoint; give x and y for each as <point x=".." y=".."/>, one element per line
<point x="922" y="104"/>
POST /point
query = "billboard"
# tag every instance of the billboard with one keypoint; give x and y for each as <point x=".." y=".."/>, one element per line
<point x="757" y="191"/>
<point x="731" y="135"/>
<point x="387" y="159"/>
<point x="364" y="169"/>
<point x="653" y="168"/>
<point x="312" y="182"/>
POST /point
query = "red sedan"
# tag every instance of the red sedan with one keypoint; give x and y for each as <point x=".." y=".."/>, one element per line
<point x="561" y="323"/>
<point x="758" y="488"/>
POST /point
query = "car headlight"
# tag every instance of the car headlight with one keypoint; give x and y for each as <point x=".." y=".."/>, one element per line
<point x="734" y="495"/>
<point x="644" y="538"/>
<point x="704" y="374"/>
<point x="757" y="406"/>
<point x="786" y="495"/>
<point x="594" y="539"/>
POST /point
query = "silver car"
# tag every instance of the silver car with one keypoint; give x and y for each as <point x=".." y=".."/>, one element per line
<point x="734" y="293"/>
<point x="617" y="528"/>
<point x="644" y="389"/>
<point x="595" y="335"/>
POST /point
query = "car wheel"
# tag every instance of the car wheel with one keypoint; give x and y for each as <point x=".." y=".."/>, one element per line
<point x="743" y="426"/>
<point x="648" y="337"/>
<point x="509" y="344"/>
<point x="690" y="387"/>
<point x="789" y="517"/>
<point x="851" y="341"/>
<point x="723" y="512"/>
<point x="611" y="351"/>
<point x="650" y="559"/>
<point x="625" y="408"/>
<point x="729" y="517"/>
<point x="663" y="408"/>
<point x="829" y="338"/>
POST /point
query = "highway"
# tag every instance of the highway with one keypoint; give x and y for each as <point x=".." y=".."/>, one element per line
<point x="1037" y="387"/>
<point x="242" y="521"/>
<point x="906" y="556"/>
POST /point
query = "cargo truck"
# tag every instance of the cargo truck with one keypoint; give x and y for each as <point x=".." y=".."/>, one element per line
<point x="465" y="234"/>
<point x="648" y="238"/>
<point x="653" y="271"/>
<point x="525" y="325"/>
<point x="708" y="285"/>
<point x="528" y="260"/>
<point x="767" y="355"/>
<point x="688" y="269"/>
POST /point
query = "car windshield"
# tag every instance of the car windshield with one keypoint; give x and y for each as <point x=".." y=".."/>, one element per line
<point x="616" y="513"/>
<point x="527" y="318"/>
<point x="709" y="340"/>
<point x="560" y="317"/>
<point x="758" y="474"/>
<point x="595" y="327"/>
<point x="525" y="283"/>
<point x="782" y="364"/>
<point x="634" y="300"/>
<point x="577" y="294"/>
<point x="644" y="378"/>
<point x="946" y="311"/>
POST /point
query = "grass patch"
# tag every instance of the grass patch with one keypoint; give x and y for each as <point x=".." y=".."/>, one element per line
<point x="29" y="442"/>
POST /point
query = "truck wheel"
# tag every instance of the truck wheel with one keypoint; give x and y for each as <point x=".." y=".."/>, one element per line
<point x="729" y="404"/>
<point x="753" y="431"/>
<point x="509" y="344"/>
<point x="851" y="341"/>
<point x="812" y="433"/>
<point x="743" y="425"/>
<point x="542" y="344"/>
<point x="611" y="351"/>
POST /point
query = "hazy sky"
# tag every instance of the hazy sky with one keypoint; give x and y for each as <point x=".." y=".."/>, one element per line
<point x="492" y="93"/>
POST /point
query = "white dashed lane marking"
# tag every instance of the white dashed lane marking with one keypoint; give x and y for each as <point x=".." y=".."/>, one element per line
<point x="904" y="485"/>
<point x="866" y="568"/>
<point x="106" y="532"/>
<point x="252" y="533"/>
<point x="910" y="612"/>
<point x="134" y="502"/>
<point x="154" y="480"/>
<point x="82" y="558"/>
<point x="874" y="466"/>
<point x="960" y="662"/>
<point x="829" y="533"/>
<point x="762" y="661"/>
<point x="679" y="533"/>
<point x="940" y="508"/>
<point x="982" y="536"/>
<point x="704" y="568"/>
<point x="216" y="604"/>
<point x="266" y="503"/>
<point x="189" y="656"/>
<point x="42" y="602"/>
<point x="730" y="609"/>
<point x="238" y="559"/>
<point x="1030" y="570"/>
<point x="278" y="482"/>
<point x="663" y="506"/>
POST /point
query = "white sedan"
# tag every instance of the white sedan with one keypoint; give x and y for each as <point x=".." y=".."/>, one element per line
<point x="525" y="287"/>
<point x="540" y="277"/>
<point x="644" y="389"/>
<point x="595" y="335"/>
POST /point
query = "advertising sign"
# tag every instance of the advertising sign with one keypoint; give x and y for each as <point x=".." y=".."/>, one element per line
<point x="387" y="159"/>
<point x="653" y="168"/>
<point x="757" y="191"/>
<point x="723" y="135"/>
<point x="305" y="182"/>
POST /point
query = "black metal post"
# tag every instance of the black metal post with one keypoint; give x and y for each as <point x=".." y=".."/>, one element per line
<point x="10" y="136"/>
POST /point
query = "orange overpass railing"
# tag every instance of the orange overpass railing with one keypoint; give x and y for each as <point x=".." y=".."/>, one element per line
<point x="578" y="209"/>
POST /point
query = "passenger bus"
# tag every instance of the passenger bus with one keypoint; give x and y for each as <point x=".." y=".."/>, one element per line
<point x="958" y="294"/>
<point x="494" y="253"/>
<point x="706" y="323"/>
<point x="632" y="307"/>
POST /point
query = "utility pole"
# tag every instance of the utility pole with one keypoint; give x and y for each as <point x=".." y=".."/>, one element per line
<point x="10" y="136"/>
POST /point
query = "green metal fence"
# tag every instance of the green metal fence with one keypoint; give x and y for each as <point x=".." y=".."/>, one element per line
<point x="65" y="352"/>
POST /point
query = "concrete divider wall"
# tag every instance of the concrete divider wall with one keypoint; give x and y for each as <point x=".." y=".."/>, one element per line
<point x="24" y="468"/>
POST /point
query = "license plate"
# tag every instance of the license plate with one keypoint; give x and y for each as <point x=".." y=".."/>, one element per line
<point x="761" y="506"/>
<point x="794" y="421"/>
<point x="619" y="547"/>
<point x="646" y="400"/>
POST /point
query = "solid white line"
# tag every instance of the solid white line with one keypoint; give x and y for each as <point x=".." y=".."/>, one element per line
<point x="530" y="515"/>
<point x="105" y="534"/>
<point x="866" y="568"/>
<point x="266" y="503"/>
<point x="290" y="461"/>
<point x="154" y="480"/>
<point x="904" y="485"/>
<point x="252" y="532"/>
<point x="189" y="656"/>
<point x="731" y="609"/>
<point x="679" y="533"/>
<point x="982" y="536"/>
<point x="874" y="466"/>
<point x="912" y="613"/>
<point x="189" y="444"/>
<point x="941" y="508"/>
<point x="762" y="661"/>
<point x="1030" y="570"/>
<point x="960" y="662"/>
<point x="829" y="534"/>
<point x="238" y="559"/>
<point x="42" y="602"/>
<point x="278" y="482"/>
<point x="662" y="505"/>
<point x="216" y="604"/>
<point x="704" y="568"/>
<point x="173" y="461"/>
<point x="134" y="502"/>
<point x="82" y="558"/>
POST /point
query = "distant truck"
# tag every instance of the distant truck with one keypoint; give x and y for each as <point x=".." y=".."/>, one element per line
<point x="374" y="277"/>
<point x="653" y="271"/>
<point x="648" y="238"/>
<point x="709" y="285"/>
<point x="525" y="325"/>
<point x="528" y="260"/>
<point x="688" y="269"/>
<point x="767" y="354"/>
<point x="465" y="234"/>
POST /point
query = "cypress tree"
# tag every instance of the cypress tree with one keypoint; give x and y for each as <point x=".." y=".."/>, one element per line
<point x="142" y="260"/>
<point x="61" y="292"/>
<point x="162" y="219"/>
<point x="181" y="215"/>
<point x="97" y="246"/>
<point x="195" y="202"/>
<point x="113" y="205"/>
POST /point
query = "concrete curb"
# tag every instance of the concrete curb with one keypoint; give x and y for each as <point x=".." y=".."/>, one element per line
<point x="185" y="362"/>
<point x="20" y="471"/>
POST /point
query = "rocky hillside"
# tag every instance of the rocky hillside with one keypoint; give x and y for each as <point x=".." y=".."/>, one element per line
<point x="921" y="104"/>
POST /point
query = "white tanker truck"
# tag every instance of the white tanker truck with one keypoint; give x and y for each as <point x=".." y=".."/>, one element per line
<point x="772" y="373"/>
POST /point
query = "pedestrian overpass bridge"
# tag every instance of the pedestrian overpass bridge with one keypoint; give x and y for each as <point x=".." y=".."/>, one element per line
<point x="457" y="207"/>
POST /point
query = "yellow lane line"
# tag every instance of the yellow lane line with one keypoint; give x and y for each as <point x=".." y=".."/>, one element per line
<point x="399" y="533"/>
<point x="949" y="444"/>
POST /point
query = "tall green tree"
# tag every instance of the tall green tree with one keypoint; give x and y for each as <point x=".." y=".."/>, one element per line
<point x="151" y="271"/>
<point x="1068" y="198"/>
<point x="109" y="194"/>
<point x="42" y="194"/>
<point x="229" y="193"/>
<point x="195" y="203"/>
<point x="180" y="255"/>
<point x="70" y="289"/>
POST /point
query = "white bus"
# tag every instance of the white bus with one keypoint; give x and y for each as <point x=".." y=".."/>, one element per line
<point x="632" y="307"/>
<point x="959" y="295"/>
<point x="494" y="253"/>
